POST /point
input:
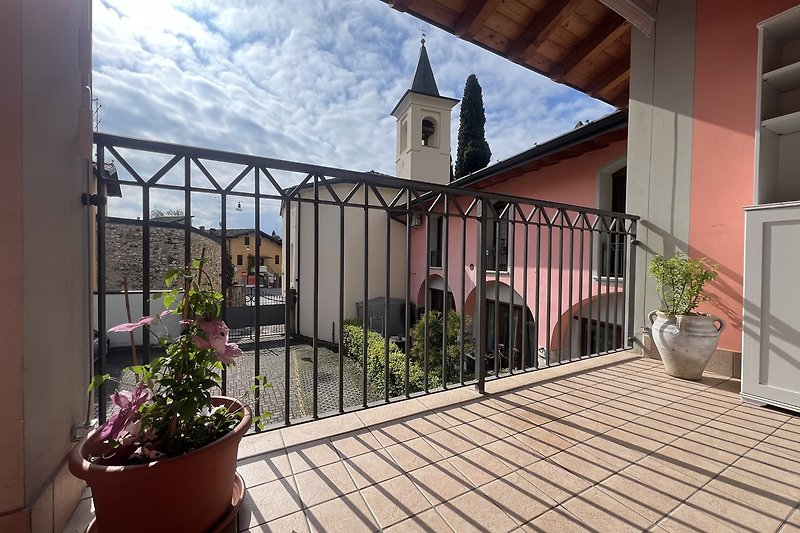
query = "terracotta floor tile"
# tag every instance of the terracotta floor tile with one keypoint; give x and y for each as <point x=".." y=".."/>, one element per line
<point x="269" y="501"/>
<point x="295" y="522"/>
<point x="322" y="484"/>
<point x="449" y="442"/>
<point x="429" y="521"/>
<point x="414" y="454"/>
<point x="586" y="466"/>
<point x="393" y="433"/>
<point x="479" y="466"/>
<point x="792" y="525"/>
<point x="370" y="468"/>
<point x="660" y="476"/>
<point x="482" y="431"/>
<point x="440" y="482"/>
<point x="554" y="480"/>
<point x="688" y="519"/>
<point x="601" y="512"/>
<point x="771" y="503"/>
<point x="734" y="513"/>
<point x="520" y="500"/>
<point x="639" y="496"/>
<point x="513" y="420"/>
<point x="260" y="469"/>
<point x="512" y="452"/>
<point x="545" y="443"/>
<point x="427" y="424"/>
<point x="348" y="514"/>
<point x="395" y="500"/>
<point x="474" y="511"/>
<point x="307" y="456"/>
<point x="610" y="452"/>
<point x="557" y="520"/>
<point x="355" y="443"/>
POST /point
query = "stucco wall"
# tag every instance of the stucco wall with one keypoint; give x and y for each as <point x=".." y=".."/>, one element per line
<point x="331" y="249"/>
<point x="723" y="146"/>
<point x="574" y="181"/>
<point x="660" y="142"/>
<point x="45" y="55"/>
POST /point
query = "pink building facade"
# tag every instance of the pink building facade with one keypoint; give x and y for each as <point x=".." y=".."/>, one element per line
<point x="553" y="275"/>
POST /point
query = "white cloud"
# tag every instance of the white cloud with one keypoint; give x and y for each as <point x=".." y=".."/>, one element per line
<point x="307" y="80"/>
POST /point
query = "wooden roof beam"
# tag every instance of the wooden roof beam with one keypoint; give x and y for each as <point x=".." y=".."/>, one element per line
<point x="401" y="5"/>
<point x="610" y="76"/>
<point x="540" y="28"/>
<point x="609" y="30"/>
<point x="474" y="17"/>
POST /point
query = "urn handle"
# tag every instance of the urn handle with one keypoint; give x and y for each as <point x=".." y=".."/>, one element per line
<point x="721" y="323"/>
<point x="652" y="316"/>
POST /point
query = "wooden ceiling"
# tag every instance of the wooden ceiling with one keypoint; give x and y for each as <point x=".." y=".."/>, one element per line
<point x="581" y="43"/>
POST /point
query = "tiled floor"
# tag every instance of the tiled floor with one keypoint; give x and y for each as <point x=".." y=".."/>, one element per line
<point x="609" y="444"/>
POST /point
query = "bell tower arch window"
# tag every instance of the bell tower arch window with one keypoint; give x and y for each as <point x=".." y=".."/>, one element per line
<point x="430" y="132"/>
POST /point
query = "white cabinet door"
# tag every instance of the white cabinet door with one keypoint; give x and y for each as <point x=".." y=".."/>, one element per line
<point x="771" y="319"/>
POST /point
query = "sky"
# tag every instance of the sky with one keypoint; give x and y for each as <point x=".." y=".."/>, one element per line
<point x="311" y="81"/>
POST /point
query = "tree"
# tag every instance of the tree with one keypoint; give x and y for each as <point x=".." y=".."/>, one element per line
<point x="473" y="151"/>
<point x="231" y="270"/>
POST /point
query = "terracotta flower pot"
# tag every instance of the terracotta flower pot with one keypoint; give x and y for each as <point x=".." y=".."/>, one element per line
<point x="190" y="493"/>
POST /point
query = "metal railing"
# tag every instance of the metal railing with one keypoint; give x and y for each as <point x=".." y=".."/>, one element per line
<point x="350" y="238"/>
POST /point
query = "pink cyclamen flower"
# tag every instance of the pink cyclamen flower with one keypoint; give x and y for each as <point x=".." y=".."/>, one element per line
<point x="216" y="338"/>
<point x="132" y="326"/>
<point x="128" y="403"/>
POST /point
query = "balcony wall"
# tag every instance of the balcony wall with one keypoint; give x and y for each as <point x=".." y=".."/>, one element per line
<point x="45" y="56"/>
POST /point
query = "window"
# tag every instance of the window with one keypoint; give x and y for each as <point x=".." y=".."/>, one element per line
<point x="612" y="246"/>
<point x="277" y="259"/>
<point x="430" y="135"/>
<point x="436" y="232"/>
<point x="404" y="136"/>
<point x="247" y="240"/>
<point x="239" y="260"/>
<point x="498" y="239"/>
<point x="510" y="325"/>
<point x="261" y="261"/>
<point x="437" y="300"/>
<point x="599" y="337"/>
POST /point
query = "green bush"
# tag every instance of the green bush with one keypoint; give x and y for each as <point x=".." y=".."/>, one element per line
<point x="353" y="340"/>
<point x="435" y="338"/>
<point x="680" y="281"/>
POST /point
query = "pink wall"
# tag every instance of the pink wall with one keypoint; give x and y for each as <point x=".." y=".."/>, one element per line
<point x="572" y="181"/>
<point x="723" y="145"/>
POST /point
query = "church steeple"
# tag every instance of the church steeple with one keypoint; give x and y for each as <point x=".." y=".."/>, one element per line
<point x="423" y="127"/>
<point x="424" y="82"/>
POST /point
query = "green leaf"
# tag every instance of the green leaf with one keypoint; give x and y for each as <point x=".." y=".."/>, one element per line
<point x="172" y="275"/>
<point x="97" y="381"/>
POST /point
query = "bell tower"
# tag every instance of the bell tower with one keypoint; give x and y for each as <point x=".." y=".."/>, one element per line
<point x="423" y="127"/>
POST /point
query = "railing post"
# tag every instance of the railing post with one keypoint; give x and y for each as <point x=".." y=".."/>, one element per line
<point x="480" y="299"/>
<point x="630" y="281"/>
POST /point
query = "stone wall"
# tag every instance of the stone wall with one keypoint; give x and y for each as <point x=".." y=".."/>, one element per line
<point x="124" y="254"/>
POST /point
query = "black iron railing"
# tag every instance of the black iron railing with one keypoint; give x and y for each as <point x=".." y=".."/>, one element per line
<point x="356" y="240"/>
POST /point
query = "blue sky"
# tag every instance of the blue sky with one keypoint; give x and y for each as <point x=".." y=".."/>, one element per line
<point x="302" y="80"/>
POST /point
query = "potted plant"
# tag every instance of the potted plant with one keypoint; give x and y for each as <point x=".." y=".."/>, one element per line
<point x="170" y="443"/>
<point x="685" y="339"/>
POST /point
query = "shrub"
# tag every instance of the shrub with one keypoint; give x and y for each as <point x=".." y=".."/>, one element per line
<point x="353" y="340"/>
<point x="435" y="338"/>
<point x="680" y="281"/>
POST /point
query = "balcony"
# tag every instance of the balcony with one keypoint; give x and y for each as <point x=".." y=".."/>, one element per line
<point x="611" y="444"/>
<point x="566" y="430"/>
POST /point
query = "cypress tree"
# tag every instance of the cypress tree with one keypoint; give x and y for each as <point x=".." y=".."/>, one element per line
<point x="473" y="151"/>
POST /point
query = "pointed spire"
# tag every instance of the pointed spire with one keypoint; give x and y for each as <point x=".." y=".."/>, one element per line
<point x="423" y="81"/>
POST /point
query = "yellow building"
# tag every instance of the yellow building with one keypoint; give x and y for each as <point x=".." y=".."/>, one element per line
<point x="242" y="247"/>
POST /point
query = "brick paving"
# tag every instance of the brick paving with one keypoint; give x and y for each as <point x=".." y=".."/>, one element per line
<point x="272" y="358"/>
